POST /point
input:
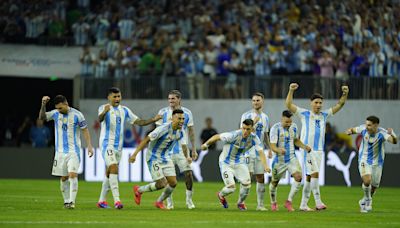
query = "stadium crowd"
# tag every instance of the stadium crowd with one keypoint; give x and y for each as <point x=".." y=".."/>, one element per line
<point x="225" y="38"/>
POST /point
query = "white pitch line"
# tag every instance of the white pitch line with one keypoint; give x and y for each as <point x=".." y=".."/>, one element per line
<point x="54" y="222"/>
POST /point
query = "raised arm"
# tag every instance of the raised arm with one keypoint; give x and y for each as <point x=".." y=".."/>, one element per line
<point x="86" y="136"/>
<point x="393" y="137"/>
<point x="342" y="100"/>
<point x="141" y="146"/>
<point x="42" y="112"/>
<point x="141" y="122"/>
<point x="210" y="141"/>
<point x="351" y="131"/>
<point x="289" y="99"/>
<point x="107" y="108"/>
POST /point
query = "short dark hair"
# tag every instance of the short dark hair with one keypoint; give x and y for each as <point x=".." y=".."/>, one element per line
<point x="259" y="94"/>
<point x="248" y="122"/>
<point x="113" y="90"/>
<point x="316" y="96"/>
<point x="59" y="99"/>
<point x="175" y="92"/>
<point x="177" y="111"/>
<point x="373" y="119"/>
<point x="287" y="113"/>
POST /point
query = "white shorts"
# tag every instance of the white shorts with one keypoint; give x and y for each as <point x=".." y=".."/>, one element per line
<point x="112" y="157"/>
<point x="159" y="171"/>
<point x="181" y="162"/>
<point x="64" y="164"/>
<point x="374" y="170"/>
<point x="279" y="169"/>
<point x="313" y="161"/>
<point x="254" y="163"/>
<point x="230" y="172"/>
<point x="255" y="166"/>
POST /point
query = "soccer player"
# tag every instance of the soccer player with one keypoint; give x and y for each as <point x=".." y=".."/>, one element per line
<point x="261" y="127"/>
<point x="313" y="124"/>
<point x="231" y="160"/>
<point x="371" y="155"/>
<point x="284" y="138"/>
<point x="174" y="100"/>
<point x="113" y="117"/>
<point x="162" y="169"/>
<point x="67" y="123"/>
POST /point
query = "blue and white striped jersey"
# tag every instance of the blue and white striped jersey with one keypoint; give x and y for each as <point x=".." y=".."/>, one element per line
<point x="166" y="114"/>
<point x="126" y="27"/>
<point x="313" y="127"/>
<point x="261" y="127"/>
<point x="112" y="127"/>
<point x="284" y="138"/>
<point x="372" y="149"/>
<point x="162" y="140"/>
<point x="66" y="128"/>
<point x="236" y="146"/>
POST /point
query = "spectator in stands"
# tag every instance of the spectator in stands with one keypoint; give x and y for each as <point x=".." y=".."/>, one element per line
<point x="81" y="31"/>
<point x="207" y="132"/>
<point x="23" y="132"/>
<point x="40" y="135"/>
<point x="327" y="72"/>
<point x="87" y="60"/>
<point x="193" y="68"/>
<point x="104" y="65"/>
<point x="262" y="69"/>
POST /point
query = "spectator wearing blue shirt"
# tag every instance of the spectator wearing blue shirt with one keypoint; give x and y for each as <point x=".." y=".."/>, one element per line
<point x="39" y="135"/>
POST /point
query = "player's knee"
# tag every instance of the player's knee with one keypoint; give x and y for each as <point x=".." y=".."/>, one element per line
<point x="64" y="178"/>
<point x="315" y="175"/>
<point x="260" y="178"/>
<point x="172" y="183"/>
<point x="246" y="184"/>
<point x="275" y="182"/>
<point x="188" y="174"/>
<point x="297" y="177"/>
<point x="161" y="183"/>
<point x="113" y="169"/>
<point x="72" y="175"/>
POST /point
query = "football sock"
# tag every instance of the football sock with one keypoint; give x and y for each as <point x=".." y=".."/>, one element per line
<point x="306" y="194"/>
<point x="315" y="189"/>
<point x="167" y="192"/>
<point x="148" y="187"/>
<point x="73" y="191"/>
<point x="367" y="191"/>
<point x="260" y="194"/>
<point x="293" y="190"/>
<point x="272" y="193"/>
<point x="244" y="192"/>
<point x="226" y="191"/>
<point x="114" y="186"/>
<point x="64" y="187"/>
<point x="105" y="187"/>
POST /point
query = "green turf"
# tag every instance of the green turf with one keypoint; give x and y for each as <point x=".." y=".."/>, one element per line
<point x="38" y="203"/>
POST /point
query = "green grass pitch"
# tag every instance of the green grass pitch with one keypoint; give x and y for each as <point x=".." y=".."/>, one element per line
<point x="38" y="203"/>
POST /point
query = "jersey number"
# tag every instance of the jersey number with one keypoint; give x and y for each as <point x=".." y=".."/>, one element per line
<point x="55" y="163"/>
<point x="226" y="174"/>
<point x="156" y="167"/>
<point x="109" y="152"/>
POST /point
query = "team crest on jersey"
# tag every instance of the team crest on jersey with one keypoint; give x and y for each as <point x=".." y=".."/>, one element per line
<point x="65" y="120"/>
